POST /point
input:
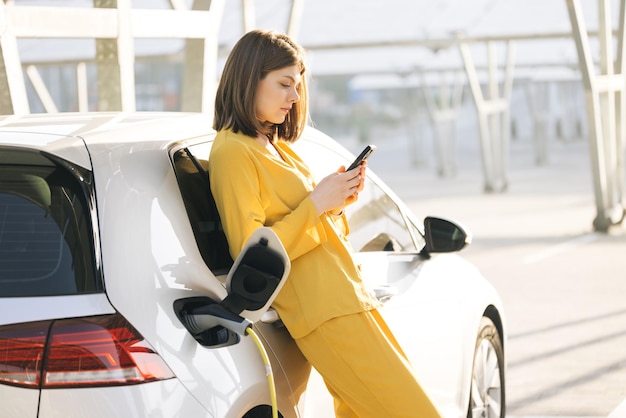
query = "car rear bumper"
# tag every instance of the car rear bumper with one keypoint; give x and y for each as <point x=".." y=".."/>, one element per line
<point x="166" y="398"/>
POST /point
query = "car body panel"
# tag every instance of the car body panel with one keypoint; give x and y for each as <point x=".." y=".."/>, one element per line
<point x="15" y="310"/>
<point x="434" y="325"/>
<point x="167" y="398"/>
<point x="19" y="402"/>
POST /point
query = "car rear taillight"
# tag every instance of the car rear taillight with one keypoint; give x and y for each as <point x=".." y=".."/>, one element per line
<point x="21" y="353"/>
<point x="94" y="351"/>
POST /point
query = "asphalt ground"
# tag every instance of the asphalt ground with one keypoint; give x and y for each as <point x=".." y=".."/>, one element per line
<point x="563" y="285"/>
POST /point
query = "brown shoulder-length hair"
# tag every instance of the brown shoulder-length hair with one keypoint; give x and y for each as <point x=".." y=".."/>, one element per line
<point x="255" y="55"/>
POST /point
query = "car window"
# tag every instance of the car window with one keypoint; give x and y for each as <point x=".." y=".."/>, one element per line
<point x="191" y="168"/>
<point x="46" y="242"/>
<point x="375" y="219"/>
<point x="376" y="222"/>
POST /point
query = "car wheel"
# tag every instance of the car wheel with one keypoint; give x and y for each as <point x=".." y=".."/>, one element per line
<point x="487" y="387"/>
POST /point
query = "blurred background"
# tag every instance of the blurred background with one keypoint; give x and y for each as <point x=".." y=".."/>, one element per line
<point x="441" y="73"/>
<point x="506" y="115"/>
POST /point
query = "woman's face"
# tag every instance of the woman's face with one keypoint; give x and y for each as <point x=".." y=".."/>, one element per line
<point x="276" y="93"/>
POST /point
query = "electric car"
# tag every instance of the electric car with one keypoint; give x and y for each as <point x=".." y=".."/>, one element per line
<point x="118" y="296"/>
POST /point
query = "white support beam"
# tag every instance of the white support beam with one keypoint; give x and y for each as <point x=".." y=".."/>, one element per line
<point x="605" y="109"/>
<point x="443" y="43"/>
<point x="479" y="101"/>
<point x="507" y="93"/>
<point x="171" y="24"/>
<point x="200" y="71"/>
<point x="209" y="69"/>
<point x="607" y="100"/>
<point x="40" y="89"/>
<point x="620" y="103"/>
<point x="493" y="112"/>
<point x="295" y="18"/>
<point x="178" y="4"/>
<point x="538" y="99"/>
<point x="82" y="87"/>
<point x="605" y="83"/>
<point x="494" y="106"/>
<point x="498" y="156"/>
<point x="13" y="98"/>
<point x="126" y="56"/>
<point x="115" y="58"/>
<point x="61" y="22"/>
<point x="443" y="102"/>
<point x="75" y="22"/>
<point x="248" y="15"/>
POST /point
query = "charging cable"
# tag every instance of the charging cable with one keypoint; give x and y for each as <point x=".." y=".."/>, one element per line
<point x="210" y="316"/>
<point x="268" y="370"/>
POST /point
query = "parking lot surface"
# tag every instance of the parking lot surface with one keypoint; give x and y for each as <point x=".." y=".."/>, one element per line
<point x="563" y="285"/>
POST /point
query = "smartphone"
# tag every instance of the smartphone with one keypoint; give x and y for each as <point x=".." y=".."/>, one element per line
<point x="362" y="156"/>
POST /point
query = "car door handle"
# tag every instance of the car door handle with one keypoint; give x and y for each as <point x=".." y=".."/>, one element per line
<point x="385" y="292"/>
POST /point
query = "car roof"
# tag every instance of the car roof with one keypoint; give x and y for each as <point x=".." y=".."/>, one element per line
<point x="67" y="134"/>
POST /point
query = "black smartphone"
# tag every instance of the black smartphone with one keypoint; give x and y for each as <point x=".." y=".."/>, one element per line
<point x="362" y="156"/>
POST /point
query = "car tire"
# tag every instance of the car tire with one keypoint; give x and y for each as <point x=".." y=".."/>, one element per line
<point x="487" y="392"/>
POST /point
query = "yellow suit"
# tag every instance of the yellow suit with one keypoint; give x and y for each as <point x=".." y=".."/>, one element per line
<point x="253" y="188"/>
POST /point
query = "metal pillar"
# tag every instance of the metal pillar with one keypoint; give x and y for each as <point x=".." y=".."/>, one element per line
<point x="538" y="99"/>
<point x="248" y="17"/>
<point x="40" y="89"/>
<point x="443" y="110"/>
<point x="295" y="18"/>
<point x="200" y="70"/>
<point x="605" y="96"/>
<point x="493" y="114"/>
<point x="82" y="87"/>
<point x="115" y="59"/>
<point x="415" y="123"/>
<point x="13" y="98"/>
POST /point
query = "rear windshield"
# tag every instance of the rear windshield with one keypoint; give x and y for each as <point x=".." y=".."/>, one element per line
<point x="46" y="239"/>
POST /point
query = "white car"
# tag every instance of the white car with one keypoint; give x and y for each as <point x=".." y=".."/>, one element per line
<point x="112" y="262"/>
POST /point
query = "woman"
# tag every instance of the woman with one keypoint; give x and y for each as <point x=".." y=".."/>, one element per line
<point x="258" y="180"/>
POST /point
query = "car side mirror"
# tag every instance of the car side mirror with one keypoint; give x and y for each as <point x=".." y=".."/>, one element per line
<point x="444" y="236"/>
<point x="252" y="284"/>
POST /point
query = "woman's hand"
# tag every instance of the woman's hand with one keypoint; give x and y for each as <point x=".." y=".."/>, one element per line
<point x="339" y="189"/>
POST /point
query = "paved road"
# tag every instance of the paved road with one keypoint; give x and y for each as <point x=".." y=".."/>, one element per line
<point x="563" y="286"/>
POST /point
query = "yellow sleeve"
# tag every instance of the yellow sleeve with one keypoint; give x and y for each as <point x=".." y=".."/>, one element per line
<point x="238" y="188"/>
<point x="341" y="222"/>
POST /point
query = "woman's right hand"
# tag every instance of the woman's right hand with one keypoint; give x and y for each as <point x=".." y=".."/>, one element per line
<point x="337" y="189"/>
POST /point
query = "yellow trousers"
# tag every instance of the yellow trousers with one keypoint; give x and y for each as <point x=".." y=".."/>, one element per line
<point x="365" y="369"/>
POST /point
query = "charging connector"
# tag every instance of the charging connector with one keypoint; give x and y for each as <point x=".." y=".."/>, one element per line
<point x="207" y="317"/>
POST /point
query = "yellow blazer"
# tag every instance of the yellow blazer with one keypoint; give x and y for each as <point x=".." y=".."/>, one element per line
<point x="253" y="188"/>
